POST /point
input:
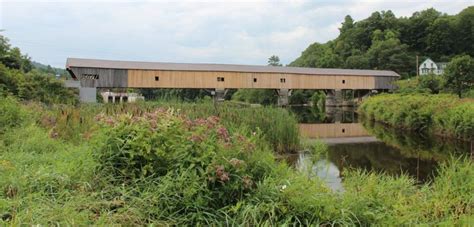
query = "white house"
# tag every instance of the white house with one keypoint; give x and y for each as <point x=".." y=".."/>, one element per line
<point x="431" y="67"/>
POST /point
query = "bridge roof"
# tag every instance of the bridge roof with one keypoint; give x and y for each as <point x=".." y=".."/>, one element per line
<point x="109" y="64"/>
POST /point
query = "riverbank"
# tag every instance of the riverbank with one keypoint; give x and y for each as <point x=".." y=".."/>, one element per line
<point x="140" y="165"/>
<point x="444" y="115"/>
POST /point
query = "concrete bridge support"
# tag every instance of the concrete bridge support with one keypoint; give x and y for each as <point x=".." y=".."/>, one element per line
<point x="334" y="98"/>
<point x="218" y="94"/>
<point x="283" y="96"/>
<point x="88" y="94"/>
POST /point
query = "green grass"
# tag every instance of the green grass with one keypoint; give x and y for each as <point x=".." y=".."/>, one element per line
<point x="158" y="166"/>
<point x="441" y="114"/>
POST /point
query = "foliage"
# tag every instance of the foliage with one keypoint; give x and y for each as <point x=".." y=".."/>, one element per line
<point x="274" y="61"/>
<point x="442" y="114"/>
<point x="383" y="41"/>
<point x="18" y="78"/>
<point x="11" y="115"/>
<point x="174" y="94"/>
<point x="155" y="166"/>
<point x="12" y="57"/>
<point x="257" y="96"/>
<point x="431" y="83"/>
<point x="459" y="74"/>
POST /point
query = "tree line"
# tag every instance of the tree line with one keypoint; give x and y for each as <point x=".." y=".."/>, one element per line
<point x="27" y="80"/>
<point x="383" y="41"/>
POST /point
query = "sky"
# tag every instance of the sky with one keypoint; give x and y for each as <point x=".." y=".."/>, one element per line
<point x="233" y="32"/>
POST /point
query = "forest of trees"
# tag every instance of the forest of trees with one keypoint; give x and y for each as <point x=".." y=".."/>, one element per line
<point x="383" y="41"/>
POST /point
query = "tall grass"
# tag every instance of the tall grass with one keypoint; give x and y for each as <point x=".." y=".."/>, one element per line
<point x="161" y="168"/>
<point x="279" y="126"/>
<point x="442" y="114"/>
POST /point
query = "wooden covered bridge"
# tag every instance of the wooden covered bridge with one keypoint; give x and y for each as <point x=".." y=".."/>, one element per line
<point x="93" y="73"/>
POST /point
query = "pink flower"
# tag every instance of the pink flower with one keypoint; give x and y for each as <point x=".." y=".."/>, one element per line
<point x="223" y="134"/>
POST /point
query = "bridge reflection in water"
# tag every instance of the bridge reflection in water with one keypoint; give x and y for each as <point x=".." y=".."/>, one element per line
<point x="372" y="147"/>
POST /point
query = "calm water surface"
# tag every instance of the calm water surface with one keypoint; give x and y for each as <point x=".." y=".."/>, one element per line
<point x="361" y="144"/>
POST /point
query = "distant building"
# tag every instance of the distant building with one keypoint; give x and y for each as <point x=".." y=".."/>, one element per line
<point x="431" y="67"/>
<point x="115" y="97"/>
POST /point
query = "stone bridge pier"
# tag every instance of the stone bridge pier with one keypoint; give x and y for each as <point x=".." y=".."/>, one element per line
<point x="334" y="98"/>
<point x="283" y="96"/>
<point x="219" y="94"/>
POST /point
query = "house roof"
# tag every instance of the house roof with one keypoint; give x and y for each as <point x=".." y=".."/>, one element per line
<point x="438" y="64"/>
<point x="97" y="63"/>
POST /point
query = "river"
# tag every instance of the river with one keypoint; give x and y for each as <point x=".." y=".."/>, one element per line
<point x="360" y="144"/>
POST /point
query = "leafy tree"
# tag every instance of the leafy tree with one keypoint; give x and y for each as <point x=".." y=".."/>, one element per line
<point x="464" y="31"/>
<point x="416" y="29"/>
<point x="383" y="41"/>
<point x="357" y="62"/>
<point x="441" y="37"/>
<point x="389" y="54"/>
<point x="459" y="74"/>
<point x="319" y="55"/>
<point x="12" y="57"/>
<point x="347" y="25"/>
<point x="432" y="82"/>
<point x="18" y="78"/>
<point x="274" y="61"/>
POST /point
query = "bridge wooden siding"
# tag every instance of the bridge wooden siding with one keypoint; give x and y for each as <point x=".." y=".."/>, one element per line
<point x="193" y="79"/>
<point x="117" y="74"/>
<point x="332" y="130"/>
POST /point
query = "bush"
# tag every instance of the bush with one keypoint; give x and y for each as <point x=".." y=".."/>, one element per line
<point x="442" y="114"/>
<point x="258" y="96"/>
<point x="279" y="127"/>
<point x="11" y="113"/>
<point x="432" y="84"/>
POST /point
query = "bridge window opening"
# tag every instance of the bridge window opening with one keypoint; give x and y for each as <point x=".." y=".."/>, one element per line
<point x="124" y="99"/>
<point x="117" y="98"/>
<point x="110" y="99"/>
<point x="220" y="79"/>
<point x="89" y="76"/>
<point x="343" y="130"/>
<point x="255" y="80"/>
<point x="157" y="78"/>
<point x="343" y="81"/>
<point x="282" y="80"/>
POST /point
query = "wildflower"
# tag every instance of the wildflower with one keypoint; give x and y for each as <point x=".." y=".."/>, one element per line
<point x="223" y="134"/>
<point x="109" y="121"/>
<point x="196" y="138"/>
<point x="248" y="183"/>
<point x="54" y="134"/>
<point x="283" y="187"/>
<point x="240" y="138"/>
<point x="236" y="162"/>
<point x="222" y="174"/>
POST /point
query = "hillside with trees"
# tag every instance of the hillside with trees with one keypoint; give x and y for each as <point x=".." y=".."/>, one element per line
<point x="384" y="41"/>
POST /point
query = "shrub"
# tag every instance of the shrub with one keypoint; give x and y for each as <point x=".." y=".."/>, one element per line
<point x="278" y="125"/>
<point x="11" y="113"/>
<point x="442" y="114"/>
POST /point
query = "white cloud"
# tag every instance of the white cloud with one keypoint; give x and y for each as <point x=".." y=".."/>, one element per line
<point x="244" y="32"/>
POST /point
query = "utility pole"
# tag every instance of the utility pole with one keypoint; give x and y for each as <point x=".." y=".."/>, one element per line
<point x="417" y="67"/>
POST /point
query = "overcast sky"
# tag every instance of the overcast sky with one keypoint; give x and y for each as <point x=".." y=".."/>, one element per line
<point x="238" y="32"/>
